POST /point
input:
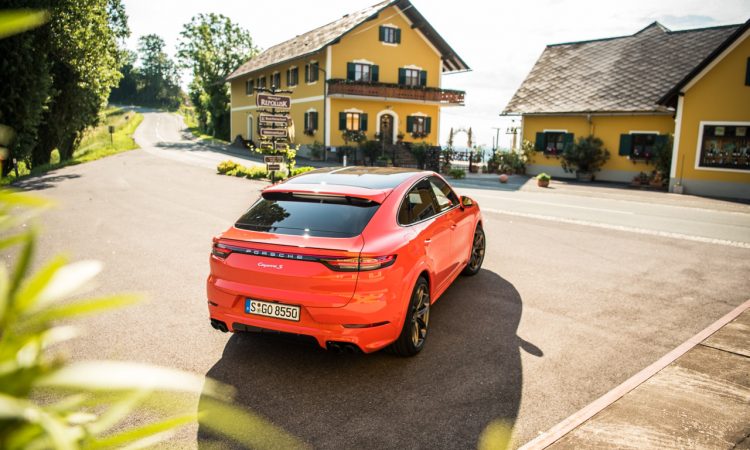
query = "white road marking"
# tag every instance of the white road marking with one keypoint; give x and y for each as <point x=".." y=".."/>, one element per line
<point x="554" y="434"/>
<point x="606" y="226"/>
<point x="563" y="205"/>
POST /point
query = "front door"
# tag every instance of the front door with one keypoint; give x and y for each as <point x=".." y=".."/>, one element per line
<point x="386" y="128"/>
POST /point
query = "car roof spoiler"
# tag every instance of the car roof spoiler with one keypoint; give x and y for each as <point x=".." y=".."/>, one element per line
<point x="373" y="195"/>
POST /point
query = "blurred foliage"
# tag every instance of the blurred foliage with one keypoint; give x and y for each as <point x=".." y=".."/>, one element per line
<point x="17" y="21"/>
<point x="663" y="157"/>
<point x="49" y="402"/>
<point x="212" y="46"/>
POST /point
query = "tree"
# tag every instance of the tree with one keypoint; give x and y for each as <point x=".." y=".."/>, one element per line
<point x="127" y="90"/>
<point x="159" y="73"/>
<point x="83" y="74"/>
<point x="25" y="82"/>
<point x="212" y="46"/>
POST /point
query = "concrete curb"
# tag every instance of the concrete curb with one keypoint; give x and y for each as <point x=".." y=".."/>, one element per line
<point x="552" y="435"/>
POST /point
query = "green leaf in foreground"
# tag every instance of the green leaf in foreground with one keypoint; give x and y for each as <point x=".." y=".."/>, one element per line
<point x="17" y="21"/>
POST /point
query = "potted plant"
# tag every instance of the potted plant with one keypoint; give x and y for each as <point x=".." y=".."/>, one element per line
<point x="585" y="157"/>
<point x="542" y="180"/>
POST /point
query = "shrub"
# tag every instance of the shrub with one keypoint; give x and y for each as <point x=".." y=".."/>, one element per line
<point x="300" y="170"/>
<point x="316" y="150"/>
<point x="371" y="150"/>
<point x="226" y="166"/>
<point x="543" y="177"/>
<point x="457" y="173"/>
<point x="663" y="157"/>
<point x="588" y="155"/>
<point x="420" y="151"/>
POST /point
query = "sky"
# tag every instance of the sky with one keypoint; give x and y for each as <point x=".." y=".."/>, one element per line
<point x="499" y="40"/>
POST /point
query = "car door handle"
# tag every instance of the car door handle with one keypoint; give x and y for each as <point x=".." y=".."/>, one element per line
<point x="427" y="241"/>
<point x="453" y="227"/>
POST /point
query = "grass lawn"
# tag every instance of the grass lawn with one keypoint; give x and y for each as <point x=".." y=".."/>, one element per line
<point x="188" y="115"/>
<point x="95" y="144"/>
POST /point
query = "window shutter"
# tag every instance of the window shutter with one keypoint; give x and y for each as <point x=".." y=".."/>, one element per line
<point x="409" y="124"/>
<point x="747" y="73"/>
<point x="315" y="120"/>
<point x="401" y="76"/>
<point x="398" y="38"/>
<point x="539" y="144"/>
<point x="307" y="73"/>
<point x="568" y="140"/>
<point x="342" y="121"/>
<point x="363" y="122"/>
<point x="375" y="73"/>
<point x="423" y="78"/>
<point x="382" y="33"/>
<point x="288" y="77"/>
<point x="350" y="71"/>
<point x="307" y="115"/>
<point x="626" y="144"/>
<point x="427" y="125"/>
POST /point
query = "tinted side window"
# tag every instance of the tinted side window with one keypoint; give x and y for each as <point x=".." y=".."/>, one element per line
<point x="418" y="205"/>
<point x="445" y="196"/>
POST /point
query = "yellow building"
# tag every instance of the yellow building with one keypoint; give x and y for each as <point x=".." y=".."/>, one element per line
<point x="377" y="70"/>
<point x="711" y="153"/>
<point x="613" y="89"/>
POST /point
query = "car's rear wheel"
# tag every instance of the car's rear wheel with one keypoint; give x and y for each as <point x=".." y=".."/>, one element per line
<point x="477" y="253"/>
<point x="417" y="321"/>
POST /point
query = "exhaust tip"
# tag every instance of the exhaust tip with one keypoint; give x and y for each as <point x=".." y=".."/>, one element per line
<point x="219" y="325"/>
<point x="343" y="348"/>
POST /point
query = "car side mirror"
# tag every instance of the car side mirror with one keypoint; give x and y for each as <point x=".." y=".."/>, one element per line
<point x="466" y="202"/>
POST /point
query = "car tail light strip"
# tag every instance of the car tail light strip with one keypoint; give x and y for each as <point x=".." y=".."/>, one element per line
<point x="339" y="264"/>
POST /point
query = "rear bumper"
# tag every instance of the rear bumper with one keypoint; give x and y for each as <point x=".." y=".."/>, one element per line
<point x="324" y="324"/>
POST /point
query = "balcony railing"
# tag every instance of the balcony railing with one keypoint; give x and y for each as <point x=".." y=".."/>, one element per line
<point x="387" y="90"/>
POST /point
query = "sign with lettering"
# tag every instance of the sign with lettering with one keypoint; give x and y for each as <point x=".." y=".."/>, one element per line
<point x="272" y="132"/>
<point x="274" y="119"/>
<point x="273" y="159"/>
<point x="273" y="101"/>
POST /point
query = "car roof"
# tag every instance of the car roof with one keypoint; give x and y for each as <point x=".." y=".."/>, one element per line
<point x="378" y="178"/>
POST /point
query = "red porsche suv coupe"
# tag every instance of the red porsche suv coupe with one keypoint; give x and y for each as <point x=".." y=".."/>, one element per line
<point x="352" y="257"/>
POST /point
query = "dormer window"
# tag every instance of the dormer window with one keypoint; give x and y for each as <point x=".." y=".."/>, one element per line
<point x="390" y="34"/>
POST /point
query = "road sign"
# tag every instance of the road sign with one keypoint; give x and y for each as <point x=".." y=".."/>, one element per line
<point x="274" y="119"/>
<point x="273" y="101"/>
<point x="272" y="132"/>
<point x="273" y="159"/>
<point x="281" y="146"/>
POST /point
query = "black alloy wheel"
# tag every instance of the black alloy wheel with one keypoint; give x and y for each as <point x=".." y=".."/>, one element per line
<point x="417" y="322"/>
<point x="478" y="247"/>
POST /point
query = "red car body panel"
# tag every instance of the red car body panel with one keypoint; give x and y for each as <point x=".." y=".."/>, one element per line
<point x="366" y="308"/>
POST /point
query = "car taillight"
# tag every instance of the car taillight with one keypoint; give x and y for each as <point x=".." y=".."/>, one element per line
<point x="358" y="264"/>
<point x="220" y="251"/>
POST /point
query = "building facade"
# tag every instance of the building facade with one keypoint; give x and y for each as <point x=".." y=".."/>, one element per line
<point x="711" y="153"/>
<point x="615" y="89"/>
<point x="378" y="71"/>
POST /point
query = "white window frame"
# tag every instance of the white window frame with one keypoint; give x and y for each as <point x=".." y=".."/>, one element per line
<point x="392" y="28"/>
<point x="702" y="125"/>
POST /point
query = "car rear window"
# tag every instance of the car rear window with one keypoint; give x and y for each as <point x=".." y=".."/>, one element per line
<point x="309" y="214"/>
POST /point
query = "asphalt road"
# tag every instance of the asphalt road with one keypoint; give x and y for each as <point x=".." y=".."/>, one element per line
<point x="562" y="312"/>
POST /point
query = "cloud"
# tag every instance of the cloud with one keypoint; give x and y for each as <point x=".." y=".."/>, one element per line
<point x="686" y="21"/>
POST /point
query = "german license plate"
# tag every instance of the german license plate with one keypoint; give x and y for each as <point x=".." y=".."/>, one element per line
<point x="275" y="310"/>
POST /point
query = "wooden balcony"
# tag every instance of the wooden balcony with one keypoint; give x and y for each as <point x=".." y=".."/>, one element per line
<point x="386" y="90"/>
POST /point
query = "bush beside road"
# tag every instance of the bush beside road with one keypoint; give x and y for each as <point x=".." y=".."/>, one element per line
<point x="96" y="144"/>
